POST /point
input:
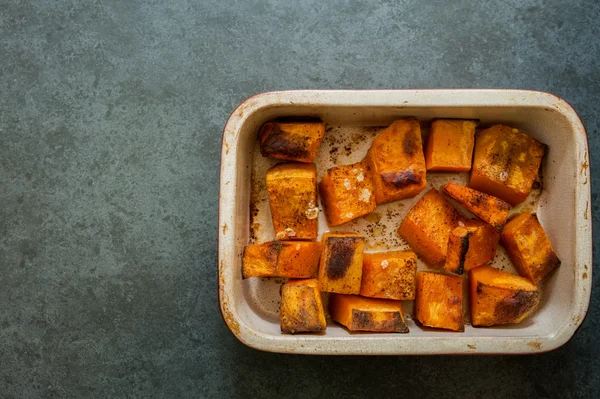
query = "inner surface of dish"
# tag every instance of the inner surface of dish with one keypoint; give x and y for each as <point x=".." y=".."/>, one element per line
<point x="342" y="145"/>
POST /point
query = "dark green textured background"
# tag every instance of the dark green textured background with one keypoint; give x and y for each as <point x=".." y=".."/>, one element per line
<point x="110" y="131"/>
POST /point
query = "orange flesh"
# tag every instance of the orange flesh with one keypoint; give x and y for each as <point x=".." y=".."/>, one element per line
<point x="428" y="225"/>
<point x="450" y="145"/>
<point x="439" y="301"/>
<point x="397" y="163"/>
<point x="389" y="275"/>
<point x="347" y="193"/>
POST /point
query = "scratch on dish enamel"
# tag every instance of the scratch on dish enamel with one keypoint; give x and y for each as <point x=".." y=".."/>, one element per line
<point x="352" y="119"/>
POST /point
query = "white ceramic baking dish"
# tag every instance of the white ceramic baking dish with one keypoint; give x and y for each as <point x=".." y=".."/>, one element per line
<point x="249" y="307"/>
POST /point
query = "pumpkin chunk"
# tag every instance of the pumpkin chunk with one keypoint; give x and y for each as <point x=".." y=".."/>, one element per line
<point x="397" y="162"/>
<point x="340" y="268"/>
<point x="439" y="301"/>
<point x="499" y="297"/>
<point x="505" y="163"/>
<point x="347" y="193"/>
<point x="528" y="247"/>
<point x="450" y="145"/>
<point x="486" y="207"/>
<point x="299" y="259"/>
<point x="291" y="141"/>
<point x="301" y="309"/>
<point x="428" y="225"/>
<point x="292" y="189"/>
<point x="471" y="245"/>
<point x="389" y="275"/>
<point x="367" y="314"/>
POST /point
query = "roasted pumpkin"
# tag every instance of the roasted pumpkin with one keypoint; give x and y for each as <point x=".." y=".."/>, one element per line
<point x="427" y="227"/>
<point x="505" y="163"/>
<point x="389" y="275"/>
<point x="397" y="162"/>
<point x="528" y="247"/>
<point x="347" y="193"/>
<point x="292" y="141"/>
<point x="260" y="260"/>
<point x="486" y="207"/>
<point x="367" y="314"/>
<point x="471" y="245"/>
<point x="439" y="301"/>
<point x="340" y="268"/>
<point x="499" y="297"/>
<point x="299" y="259"/>
<point x="450" y="145"/>
<point x="301" y="309"/>
<point x="292" y="189"/>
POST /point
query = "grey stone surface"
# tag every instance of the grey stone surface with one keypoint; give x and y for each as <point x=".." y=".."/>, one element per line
<point x="110" y="131"/>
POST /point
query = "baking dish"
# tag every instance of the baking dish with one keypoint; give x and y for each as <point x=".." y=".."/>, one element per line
<point x="249" y="307"/>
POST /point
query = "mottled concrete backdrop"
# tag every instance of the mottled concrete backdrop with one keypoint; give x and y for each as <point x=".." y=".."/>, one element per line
<point x="110" y="129"/>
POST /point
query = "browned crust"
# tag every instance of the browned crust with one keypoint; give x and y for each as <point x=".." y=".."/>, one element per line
<point x="464" y="248"/>
<point x="510" y="309"/>
<point x="275" y="142"/>
<point x="363" y="321"/>
<point x="400" y="179"/>
<point x="341" y="253"/>
<point x="307" y="318"/>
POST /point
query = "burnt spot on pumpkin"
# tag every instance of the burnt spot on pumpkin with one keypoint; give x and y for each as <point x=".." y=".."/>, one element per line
<point x="479" y="287"/>
<point x="341" y="253"/>
<point x="364" y="321"/>
<point x="515" y="306"/>
<point x="401" y="179"/>
<point x="548" y="263"/>
<point x="272" y="253"/>
<point x="275" y="141"/>
<point x="464" y="248"/>
<point x="411" y="144"/>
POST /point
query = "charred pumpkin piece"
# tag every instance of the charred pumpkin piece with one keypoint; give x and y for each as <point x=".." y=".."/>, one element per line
<point x="367" y="314"/>
<point x="291" y="141"/>
<point x="499" y="297"/>
<point x="301" y="309"/>
<point x="340" y="268"/>
<point x="505" y="163"/>
<point x="299" y="259"/>
<point x="471" y="245"/>
<point x="528" y="247"/>
<point x="292" y="189"/>
<point x="486" y="207"/>
<point x="397" y="162"/>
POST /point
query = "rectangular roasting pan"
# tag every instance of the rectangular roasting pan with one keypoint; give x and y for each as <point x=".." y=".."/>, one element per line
<point x="353" y="118"/>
